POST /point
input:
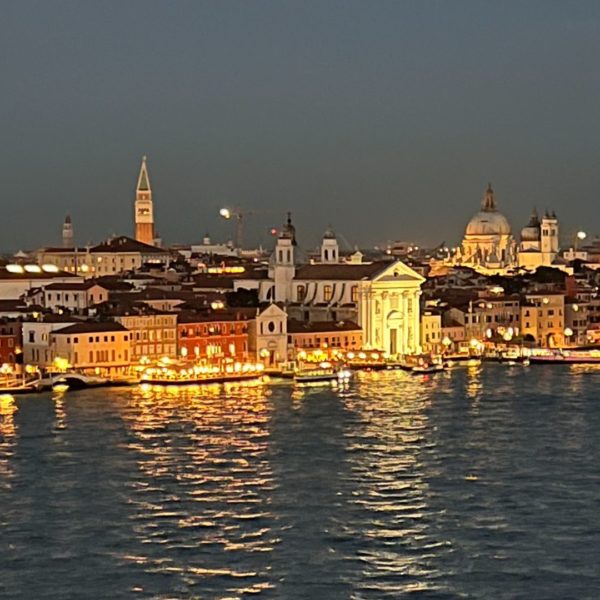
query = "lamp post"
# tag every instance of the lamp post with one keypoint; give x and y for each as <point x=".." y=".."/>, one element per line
<point x="568" y="333"/>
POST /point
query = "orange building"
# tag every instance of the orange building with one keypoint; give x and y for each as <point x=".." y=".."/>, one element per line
<point x="212" y="336"/>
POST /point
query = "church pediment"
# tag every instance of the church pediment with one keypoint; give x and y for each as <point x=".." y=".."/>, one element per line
<point x="398" y="271"/>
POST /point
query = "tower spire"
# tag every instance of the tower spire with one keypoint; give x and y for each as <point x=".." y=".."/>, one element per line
<point x="143" y="184"/>
<point x="144" y="210"/>
<point x="488" y="204"/>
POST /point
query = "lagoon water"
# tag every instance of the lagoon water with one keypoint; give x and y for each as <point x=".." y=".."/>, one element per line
<point x="479" y="483"/>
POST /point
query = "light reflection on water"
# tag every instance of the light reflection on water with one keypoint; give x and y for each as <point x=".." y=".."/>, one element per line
<point x="478" y="482"/>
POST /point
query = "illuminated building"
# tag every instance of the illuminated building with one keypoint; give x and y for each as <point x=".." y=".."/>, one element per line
<point x="212" y="337"/>
<point x="381" y="296"/>
<point x="268" y="336"/>
<point x="488" y="243"/>
<point x="144" y="210"/>
<point x="103" y="347"/>
<point x="327" y="335"/>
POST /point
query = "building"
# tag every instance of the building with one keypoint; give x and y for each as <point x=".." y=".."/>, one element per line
<point x="381" y="296"/>
<point x="67" y="233"/>
<point x="144" y="209"/>
<point x="37" y="338"/>
<point x="488" y="243"/>
<point x="152" y="333"/>
<point x="213" y="336"/>
<point x="267" y="336"/>
<point x="543" y="319"/>
<point x="98" y="347"/>
<point x="112" y="257"/>
<point x="539" y="241"/>
<point x="431" y="331"/>
<point x="325" y="335"/>
<point x="73" y="297"/>
<point x="11" y="342"/>
<point x="17" y="280"/>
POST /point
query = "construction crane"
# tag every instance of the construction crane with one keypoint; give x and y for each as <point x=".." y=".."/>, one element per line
<point x="238" y="215"/>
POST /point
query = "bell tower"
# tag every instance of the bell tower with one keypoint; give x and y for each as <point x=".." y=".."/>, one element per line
<point x="144" y="213"/>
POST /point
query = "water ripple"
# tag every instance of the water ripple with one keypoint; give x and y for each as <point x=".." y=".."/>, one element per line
<point x="468" y="484"/>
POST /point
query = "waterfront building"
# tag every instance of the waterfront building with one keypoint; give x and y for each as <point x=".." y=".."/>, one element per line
<point x="381" y="296"/>
<point x="543" y="318"/>
<point x="11" y="341"/>
<point x="213" y="336"/>
<point x="67" y="233"/>
<point x="37" y="338"/>
<point x="325" y="335"/>
<point x="143" y="207"/>
<point x="431" y="331"/>
<point x="103" y="348"/>
<point x="153" y="333"/>
<point x="267" y="335"/>
<point x="576" y="322"/>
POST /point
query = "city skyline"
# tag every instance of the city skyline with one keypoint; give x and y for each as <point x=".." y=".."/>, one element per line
<point x="404" y="112"/>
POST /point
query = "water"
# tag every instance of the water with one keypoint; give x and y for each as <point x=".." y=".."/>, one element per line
<point x="471" y="484"/>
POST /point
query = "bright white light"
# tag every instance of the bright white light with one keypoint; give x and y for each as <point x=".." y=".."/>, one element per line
<point x="15" y="268"/>
<point x="33" y="268"/>
<point x="225" y="213"/>
<point x="50" y="268"/>
<point x="581" y="235"/>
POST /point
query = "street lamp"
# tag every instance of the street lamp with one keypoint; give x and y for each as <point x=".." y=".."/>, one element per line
<point x="568" y="333"/>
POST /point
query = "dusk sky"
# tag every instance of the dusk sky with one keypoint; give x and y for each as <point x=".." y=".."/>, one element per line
<point x="384" y="119"/>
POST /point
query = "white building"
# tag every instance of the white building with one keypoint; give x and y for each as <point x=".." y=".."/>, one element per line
<point x="267" y="335"/>
<point x="381" y="296"/>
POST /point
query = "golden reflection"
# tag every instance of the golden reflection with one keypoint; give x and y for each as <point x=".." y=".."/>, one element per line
<point x="60" y="414"/>
<point x="385" y="443"/>
<point x="8" y="408"/>
<point x="204" y="476"/>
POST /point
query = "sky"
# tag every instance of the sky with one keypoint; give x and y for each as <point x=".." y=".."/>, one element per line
<point x="385" y="120"/>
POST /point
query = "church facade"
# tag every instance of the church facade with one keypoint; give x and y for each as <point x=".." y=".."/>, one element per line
<point x="381" y="296"/>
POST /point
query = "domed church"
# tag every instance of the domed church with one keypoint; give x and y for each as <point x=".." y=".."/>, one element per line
<point x="488" y="242"/>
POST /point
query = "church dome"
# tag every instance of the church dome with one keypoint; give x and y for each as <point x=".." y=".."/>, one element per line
<point x="488" y="221"/>
<point x="531" y="233"/>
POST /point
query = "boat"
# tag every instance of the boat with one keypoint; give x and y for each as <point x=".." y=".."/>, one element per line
<point x="324" y="373"/>
<point x="207" y="379"/>
<point x="425" y="369"/>
<point x="561" y="356"/>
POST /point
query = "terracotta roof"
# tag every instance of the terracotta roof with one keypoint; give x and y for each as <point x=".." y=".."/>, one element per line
<point x="91" y="327"/>
<point x="126" y="244"/>
<point x="86" y="285"/>
<point x="211" y="316"/>
<point x="341" y="271"/>
<point x="207" y="281"/>
<point x="295" y="326"/>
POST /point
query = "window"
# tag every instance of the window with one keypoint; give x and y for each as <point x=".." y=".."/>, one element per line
<point x="271" y="326"/>
<point x="32" y="337"/>
<point x="300" y="293"/>
<point x="76" y="340"/>
<point x="327" y="293"/>
<point x="354" y="293"/>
